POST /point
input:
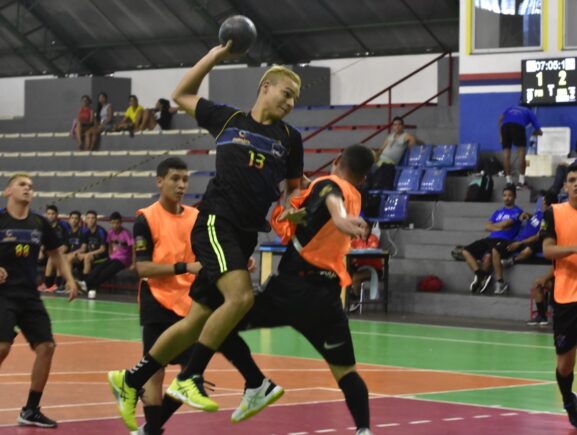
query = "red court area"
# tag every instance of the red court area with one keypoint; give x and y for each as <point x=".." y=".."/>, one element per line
<point x="78" y="397"/>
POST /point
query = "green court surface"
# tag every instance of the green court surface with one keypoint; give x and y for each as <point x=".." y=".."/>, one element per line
<point x="520" y="355"/>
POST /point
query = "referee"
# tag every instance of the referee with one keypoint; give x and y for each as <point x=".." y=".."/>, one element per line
<point x="21" y="235"/>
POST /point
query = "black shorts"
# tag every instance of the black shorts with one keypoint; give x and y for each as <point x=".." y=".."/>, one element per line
<point x="513" y="134"/>
<point x="28" y="314"/>
<point x="564" y="327"/>
<point x="220" y="247"/>
<point x="482" y="246"/>
<point x="154" y="320"/>
<point x="313" y="307"/>
<point x="535" y="247"/>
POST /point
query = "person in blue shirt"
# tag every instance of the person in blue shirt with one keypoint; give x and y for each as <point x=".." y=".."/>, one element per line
<point x="512" y="123"/>
<point x="525" y="245"/>
<point x="503" y="225"/>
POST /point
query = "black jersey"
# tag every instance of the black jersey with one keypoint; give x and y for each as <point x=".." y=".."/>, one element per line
<point x="251" y="160"/>
<point x="20" y="242"/>
<point x="61" y="229"/>
<point x="316" y="218"/>
<point x="75" y="239"/>
<point x="95" y="239"/>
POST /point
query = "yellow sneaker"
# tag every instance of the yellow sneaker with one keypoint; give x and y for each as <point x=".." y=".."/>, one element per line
<point x="191" y="391"/>
<point x="126" y="398"/>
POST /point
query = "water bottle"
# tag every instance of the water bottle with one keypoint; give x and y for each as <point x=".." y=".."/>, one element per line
<point x="532" y="145"/>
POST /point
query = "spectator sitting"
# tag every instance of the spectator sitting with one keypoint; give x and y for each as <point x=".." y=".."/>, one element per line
<point x="104" y="118"/>
<point x="159" y="118"/>
<point x="95" y="240"/>
<point x="84" y="122"/>
<point x="389" y="156"/>
<point x="132" y="120"/>
<point x="51" y="282"/>
<point x="561" y="174"/>
<point x="539" y="286"/>
<point x="120" y="255"/>
<point x="503" y="224"/>
<point x="524" y="247"/>
<point x="75" y="244"/>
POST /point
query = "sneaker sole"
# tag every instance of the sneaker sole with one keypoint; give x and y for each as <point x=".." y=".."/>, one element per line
<point x="23" y="422"/>
<point x="273" y="398"/>
<point x="483" y="288"/>
<point x="131" y="426"/>
<point x="183" y="399"/>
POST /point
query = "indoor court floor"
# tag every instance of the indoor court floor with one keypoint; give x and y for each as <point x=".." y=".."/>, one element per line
<point x="423" y="379"/>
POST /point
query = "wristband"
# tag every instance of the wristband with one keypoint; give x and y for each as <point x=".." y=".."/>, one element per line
<point x="179" y="268"/>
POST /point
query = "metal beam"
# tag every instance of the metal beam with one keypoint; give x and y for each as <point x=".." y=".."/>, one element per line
<point x="425" y="26"/>
<point x="130" y="42"/>
<point x="331" y="11"/>
<point x="50" y="66"/>
<point x="32" y="7"/>
<point x="176" y="15"/>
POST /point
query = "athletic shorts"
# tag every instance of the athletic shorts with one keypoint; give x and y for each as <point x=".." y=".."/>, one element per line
<point x="28" y="314"/>
<point x="535" y="247"/>
<point x="313" y="307"/>
<point x="220" y="247"/>
<point x="154" y="320"/>
<point x="564" y="327"/>
<point x="482" y="246"/>
<point x="513" y="134"/>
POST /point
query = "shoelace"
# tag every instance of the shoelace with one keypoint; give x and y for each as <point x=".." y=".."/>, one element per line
<point x="200" y="383"/>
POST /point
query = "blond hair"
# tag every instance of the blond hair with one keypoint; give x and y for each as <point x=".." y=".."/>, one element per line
<point x="274" y="72"/>
<point x="18" y="175"/>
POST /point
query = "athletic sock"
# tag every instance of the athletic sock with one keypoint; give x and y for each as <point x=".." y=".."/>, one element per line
<point x="49" y="281"/>
<point x="238" y="353"/>
<point x="59" y="281"/>
<point x="479" y="273"/>
<point x="199" y="358"/>
<point x="357" y="398"/>
<point x="33" y="399"/>
<point x="153" y="415"/>
<point x="169" y="407"/>
<point x="522" y="178"/>
<point x="509" y="179"/>
<point x="565" y="386"/>
<point x="137" y="376"/>
<point x="541" y="309"/>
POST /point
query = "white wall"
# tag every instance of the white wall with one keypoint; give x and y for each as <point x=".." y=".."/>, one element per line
<point x="352" y="81"/>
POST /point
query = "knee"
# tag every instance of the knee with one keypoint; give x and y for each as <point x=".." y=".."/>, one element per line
<point x="243" y="300"/>
<point x="45" y="350"/>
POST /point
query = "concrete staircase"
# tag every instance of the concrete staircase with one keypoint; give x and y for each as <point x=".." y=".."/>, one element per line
<point x="426" y="250"/>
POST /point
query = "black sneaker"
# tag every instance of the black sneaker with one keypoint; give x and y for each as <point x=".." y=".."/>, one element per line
<point x="33" y="417"/>
<point x="484" y="282"/>
<point x="572" y="411"/>
<point x="474" y="286"/>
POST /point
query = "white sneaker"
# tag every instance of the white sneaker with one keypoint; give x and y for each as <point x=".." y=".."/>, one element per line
<point x="501" y="287"/>
<point x="82" y="287"/>
<point x="255" y="400"/>
<point x="364" y="431"/>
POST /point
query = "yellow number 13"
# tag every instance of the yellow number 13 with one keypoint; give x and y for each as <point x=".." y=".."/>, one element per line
<point x="256" y="159"/>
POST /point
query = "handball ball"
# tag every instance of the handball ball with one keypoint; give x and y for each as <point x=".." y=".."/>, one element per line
<point x="240" y="30"/>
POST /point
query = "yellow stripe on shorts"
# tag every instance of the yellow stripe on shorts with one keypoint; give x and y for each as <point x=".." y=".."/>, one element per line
<point x="214" y="243"/>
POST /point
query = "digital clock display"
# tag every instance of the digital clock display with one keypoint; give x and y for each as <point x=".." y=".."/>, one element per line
<point x="549" y="81"/>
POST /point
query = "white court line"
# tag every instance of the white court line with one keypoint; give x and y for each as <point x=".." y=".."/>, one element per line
<point x="123" y="315"/>
<point x="461" y="390"/>
<point x="453" y="419"/>
<point x="68" y="343"/>
<point x="451" y="340"/>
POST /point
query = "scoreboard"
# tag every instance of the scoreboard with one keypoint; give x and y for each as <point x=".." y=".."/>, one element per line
<point x="549" y="81"/>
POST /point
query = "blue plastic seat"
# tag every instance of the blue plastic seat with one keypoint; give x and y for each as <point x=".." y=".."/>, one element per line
<point x="466" y="156"/>
<point x="393" y="207"/>
<point x="408" y="179"/>
<point x="419" y="155"/>
<point x="433" y="181"/>
<point x="442" y="155"/>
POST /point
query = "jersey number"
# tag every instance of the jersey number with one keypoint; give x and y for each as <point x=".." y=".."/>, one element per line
<point x="256" y="159"/>
<point x="22" y="250"/>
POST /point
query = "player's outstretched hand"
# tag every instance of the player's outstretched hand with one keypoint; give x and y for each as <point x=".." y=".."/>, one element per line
<point x="72" y="290"/>
<point x="3" y="275"/>
<point x="222" y="52"/>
